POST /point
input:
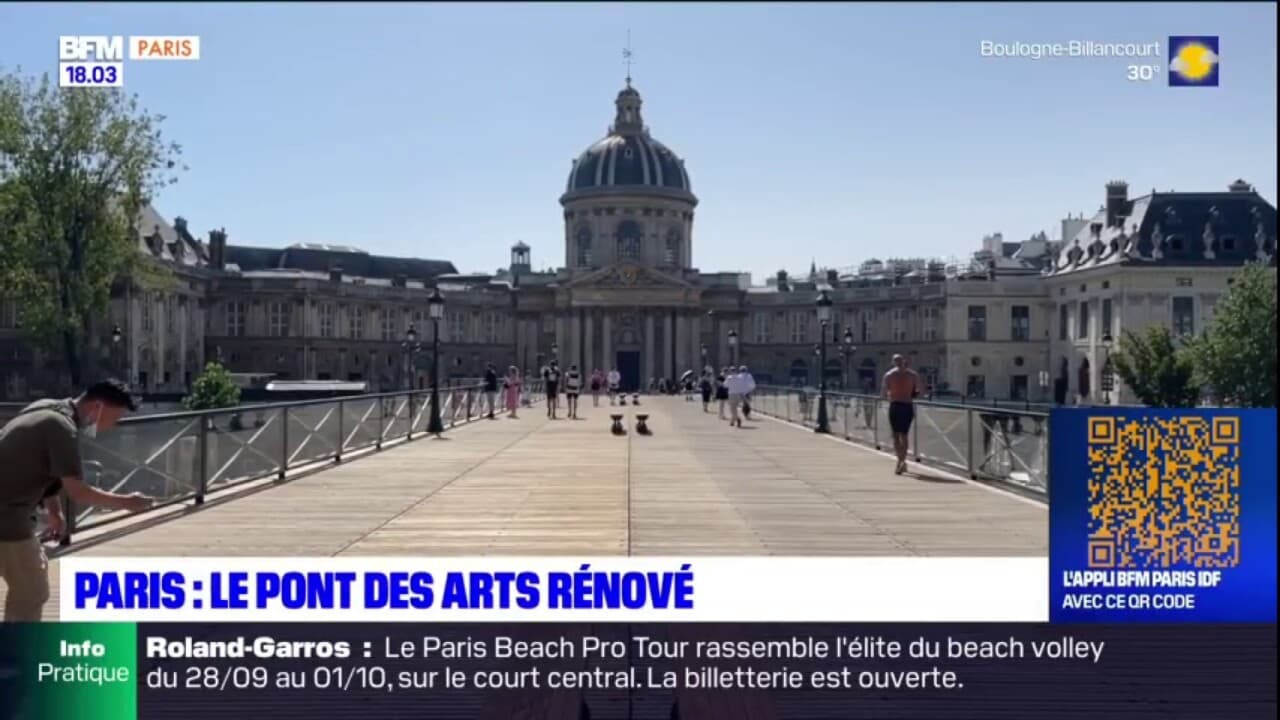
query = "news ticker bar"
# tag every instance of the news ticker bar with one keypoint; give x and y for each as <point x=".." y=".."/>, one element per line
<point x="71" y="671"/>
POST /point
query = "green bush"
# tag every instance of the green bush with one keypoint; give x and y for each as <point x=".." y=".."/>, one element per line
<point x="212" y="390"/>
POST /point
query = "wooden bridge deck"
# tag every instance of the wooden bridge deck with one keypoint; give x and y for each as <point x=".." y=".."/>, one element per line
<point x="533" y="486"/>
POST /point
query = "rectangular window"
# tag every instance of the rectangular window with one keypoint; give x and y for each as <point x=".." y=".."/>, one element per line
<point x="1018" y="387"/>
<point x="491" y="327"/>
<point x="1082" y="320"/>
<point x="899" y="324"/>
<point x="235" y="318"/>
<point x="930" y="324"/>
<point x="148" y="316"/>
<point x="419" y="322"/>
<point x="170" y="316"/>
<point x="799" y="327"/>
<point x="389" y="324"/>
<point x="1107" y="328"/>
<point x="977" y="386"/>
<point x="760" y="328"/>
<point x="977" y="322"/>
<point x="1020" y="323"/>
<point x="1063" y="317"/>
<point x="356" y="322"/>
<point x="278" y="315"/>
<point x="868" y="323"/>
<point x="326" y="319"/>
<point x="458" y="327"/>
<point x="1184" y="324"/>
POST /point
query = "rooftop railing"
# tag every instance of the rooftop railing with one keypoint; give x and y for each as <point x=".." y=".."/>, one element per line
<point x="181" y="457"/>
<point x="1005" y="445"/>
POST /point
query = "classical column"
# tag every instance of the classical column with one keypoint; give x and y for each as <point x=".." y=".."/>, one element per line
<point x="561" y="331"/>
<point x="606" y="343"/>
<point x="589" y="345"/>
<point x="695" y="341"/>
<point x="682" y="342"/>
<point x="650" y="367"/>
<point x="668" y="338"/>
<point x="575" y="342"/>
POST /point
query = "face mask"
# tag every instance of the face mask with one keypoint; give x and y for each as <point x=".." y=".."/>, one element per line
<point x="91" y="430"/>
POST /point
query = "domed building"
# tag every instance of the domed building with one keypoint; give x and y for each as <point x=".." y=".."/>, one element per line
<point x="627" y="295"/>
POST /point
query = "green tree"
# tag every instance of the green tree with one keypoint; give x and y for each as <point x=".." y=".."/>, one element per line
<point x="212" y="390"/>
<point x="76" y="167"/>
<point x="1155" y="369"/>
<point x="1236" y="356"/>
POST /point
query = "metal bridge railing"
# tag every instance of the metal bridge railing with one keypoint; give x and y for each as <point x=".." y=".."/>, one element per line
<point x="181" y="457"/>
<point x="1001" y="444"/>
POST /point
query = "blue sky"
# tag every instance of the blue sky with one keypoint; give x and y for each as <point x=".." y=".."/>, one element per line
<point x="826" y="131"/>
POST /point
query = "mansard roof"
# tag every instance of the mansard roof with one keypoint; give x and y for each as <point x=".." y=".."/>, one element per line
<point x="1175" y="229"/>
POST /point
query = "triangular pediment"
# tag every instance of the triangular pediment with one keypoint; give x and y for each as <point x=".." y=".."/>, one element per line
<point x="628" y="275"/>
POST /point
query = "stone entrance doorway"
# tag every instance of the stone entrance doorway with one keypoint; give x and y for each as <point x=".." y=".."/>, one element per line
<point x="629" y="369"/>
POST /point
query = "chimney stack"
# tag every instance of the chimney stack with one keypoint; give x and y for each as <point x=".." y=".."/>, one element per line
<point x="218" y="249"/>
<point x="1117" y="202"/>
<point x="335" y="274"/>
<point x="1240" y="186"/>
<point x="782" y="281"/>
<point x="833" y="277"/>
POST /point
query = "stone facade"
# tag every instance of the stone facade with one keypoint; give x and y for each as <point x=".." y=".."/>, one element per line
<point x="628" y="296"/>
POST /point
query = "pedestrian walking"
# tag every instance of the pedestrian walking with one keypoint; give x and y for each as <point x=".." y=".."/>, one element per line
<point x="722" y="392"/>
<point x="551" y="378"/>
<point x="705" y="388"/>
<point x="512" y="387"/>
<point x="614" y="382"/>
<point x="901" y="386"/>
<point x="597" y="383"/>
<point x="572" y="388"/>
<point x="491" y="388"/>
<point x="40" y="457"/>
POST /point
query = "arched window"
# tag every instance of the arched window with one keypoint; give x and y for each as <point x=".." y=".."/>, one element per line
<point x="671" y="250"/>
<point x="583" y="246"/>
<point x="629" y="240"/>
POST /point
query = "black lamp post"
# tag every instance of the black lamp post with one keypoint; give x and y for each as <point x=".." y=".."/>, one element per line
<point x="733" y="347"/>
<point x="846" y="351"/>
<point x="1108" y="379"/>
<point x="824" y="318"/>
<point x="435" y="309"/>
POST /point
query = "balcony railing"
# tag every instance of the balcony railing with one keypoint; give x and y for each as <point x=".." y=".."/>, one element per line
<point x="182" y="457"/>
<point x="1004" y="445"/>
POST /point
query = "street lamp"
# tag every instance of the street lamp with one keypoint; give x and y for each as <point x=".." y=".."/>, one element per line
<point x="116" y="336"/>
<point x="435" y="310"/>
<point x="1108" y="379"/>
<point x="846" y="353"/>
<point x="824" y="318"/>
<point x="733" y="347"/>
<point x="411" y="348"/>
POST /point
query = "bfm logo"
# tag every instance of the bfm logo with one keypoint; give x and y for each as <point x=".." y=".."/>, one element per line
<point x="101" y="48"/>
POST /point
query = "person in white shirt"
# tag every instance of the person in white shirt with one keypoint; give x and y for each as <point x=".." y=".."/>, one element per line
<point x="740" y="384"/>
<point x="572" y="388"/>
<point x="615" y="384"/>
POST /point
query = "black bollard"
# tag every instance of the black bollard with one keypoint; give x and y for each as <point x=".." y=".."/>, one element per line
<point x="622" y="400"/>
<point x="617" y="428"/>
<point x="641" y="427"/>
<point x="635" y="399"/>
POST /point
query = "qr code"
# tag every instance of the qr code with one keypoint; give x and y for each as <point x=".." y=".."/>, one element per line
<point x="1164" y="493"/>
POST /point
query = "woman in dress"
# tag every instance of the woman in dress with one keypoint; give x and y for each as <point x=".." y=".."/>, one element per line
<point x="511" y="389"/>
<point x="722" y="392"/>
<point x="597" y="382"/>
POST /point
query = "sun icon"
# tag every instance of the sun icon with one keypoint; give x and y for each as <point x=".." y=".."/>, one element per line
<point x="1194" y="61"/>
